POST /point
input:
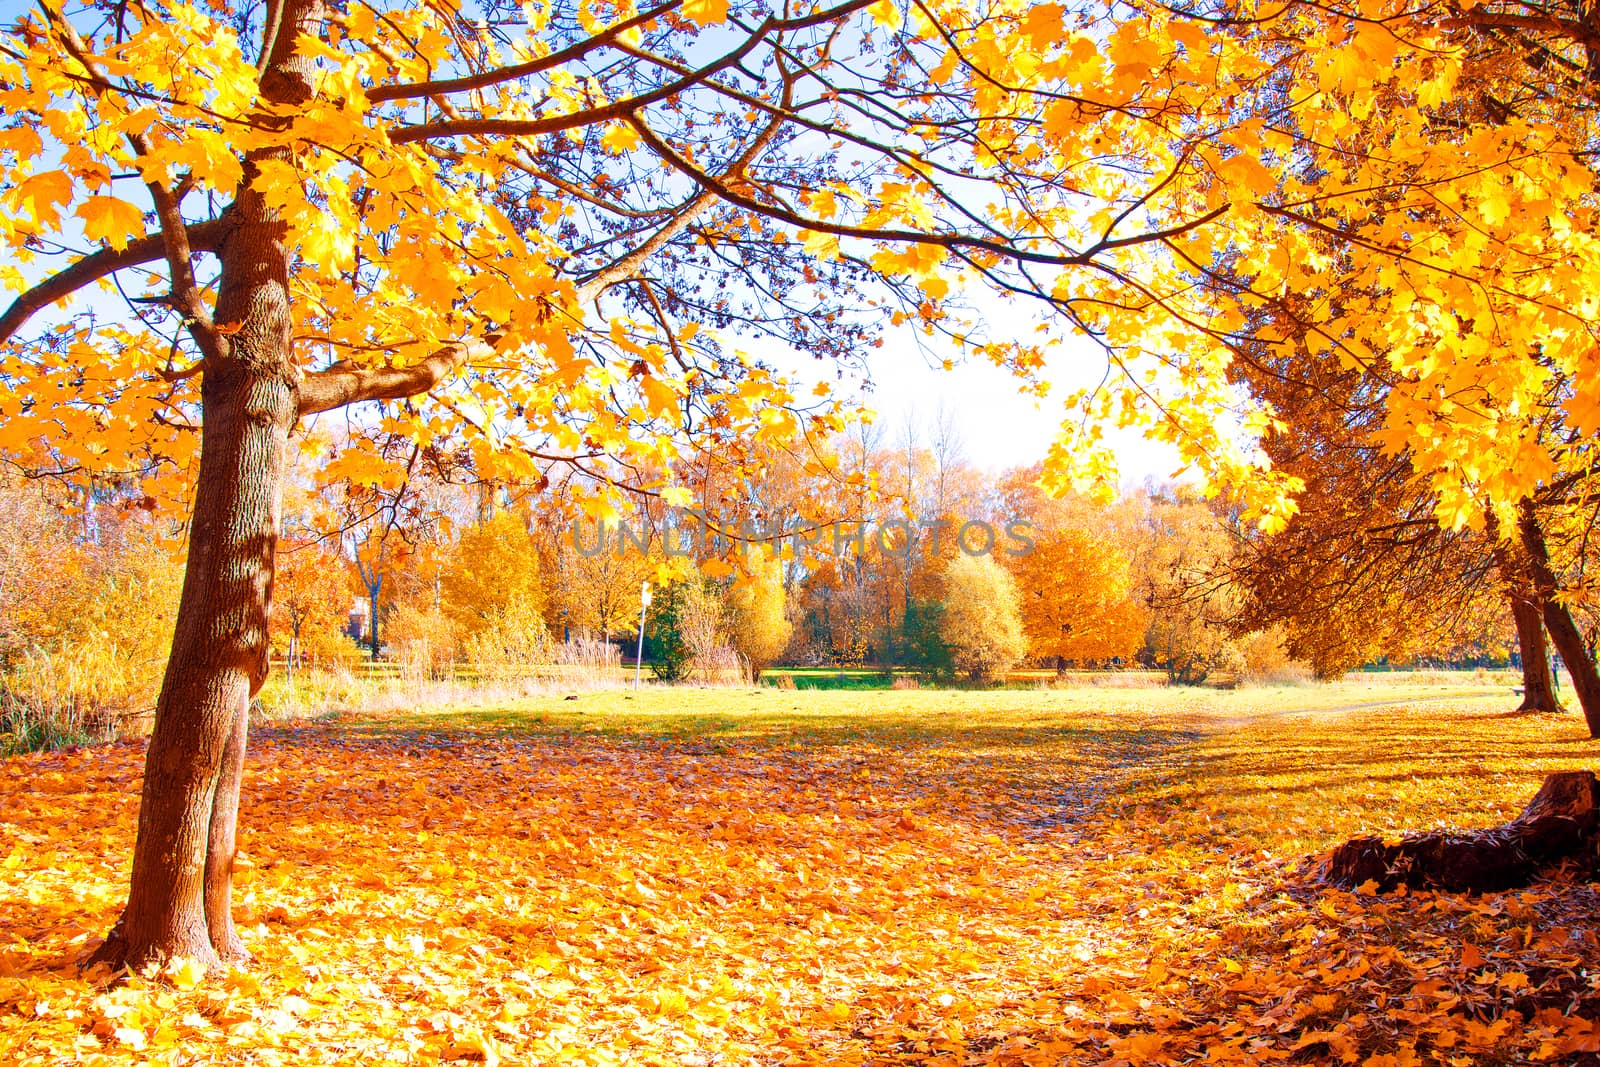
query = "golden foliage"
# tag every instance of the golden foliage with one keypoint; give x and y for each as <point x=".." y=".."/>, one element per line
<point x="981" y="624"/>
<point x="311" y="598"/>
<point x="754" y="613"/>
<point x="1077" y="599"/>
<point x="492" y="578"/>
<point x="87" y="603"/>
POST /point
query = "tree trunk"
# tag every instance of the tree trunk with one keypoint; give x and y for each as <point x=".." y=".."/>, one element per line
<point x="220" y="844"/>
<point x="1538" y="689"/>
<point x="1564" y="632"/>
<point x="372" y="620"/>
<point x="189" y="803"/>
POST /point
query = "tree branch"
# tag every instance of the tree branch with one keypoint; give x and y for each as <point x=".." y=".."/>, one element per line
<point x="343" y="384"/>
<point x="488" y="78"/>
<point x="203" y="236"/>
<point x="556" y="123"/>
<point x="623" y="108"/>
<point x="1481" y="18"/>
<point x="632" y="261"/>
<point x="174" y="231"/>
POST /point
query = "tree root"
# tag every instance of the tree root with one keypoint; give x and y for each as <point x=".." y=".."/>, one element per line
<point x="1559" y="827"/>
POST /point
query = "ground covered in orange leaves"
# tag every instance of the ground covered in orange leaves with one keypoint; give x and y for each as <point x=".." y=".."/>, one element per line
<point x="728" y="877"/>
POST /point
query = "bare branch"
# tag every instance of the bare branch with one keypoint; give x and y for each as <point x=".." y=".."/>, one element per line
<point x="626" y="265"/>
<point x="501" y="75"/>
<point x="622" y="108"/>
<point x="619" y="109"/>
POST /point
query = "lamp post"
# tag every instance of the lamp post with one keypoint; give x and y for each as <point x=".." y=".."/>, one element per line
<point x="638" y="657"/>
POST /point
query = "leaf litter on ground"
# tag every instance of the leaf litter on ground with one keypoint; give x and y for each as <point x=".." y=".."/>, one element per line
<point x="714" y="876"/>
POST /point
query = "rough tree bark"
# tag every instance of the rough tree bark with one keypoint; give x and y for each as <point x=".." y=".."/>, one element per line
<point x="193" y="766"/>
<point x="1558" y="620"/>
<point x="1538" y="681"/>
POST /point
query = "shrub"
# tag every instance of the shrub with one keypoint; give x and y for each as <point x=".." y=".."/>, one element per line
<point x="424" y="638"/>
<point x="1265" y="660"/>
<point x="982" y="625"/>
<point x="510" y="640"/>
<point x="757" y="627"/>
<point x="686" y="630"/>
<point x="924" y="644"/>
<point x="86" y="613"/>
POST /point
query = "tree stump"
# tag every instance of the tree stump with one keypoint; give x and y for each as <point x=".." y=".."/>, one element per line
<point x="1559" y="825"/>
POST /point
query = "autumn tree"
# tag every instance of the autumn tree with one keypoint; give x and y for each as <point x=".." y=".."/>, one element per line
<point x="1407" y="201"/>
<point x="493" y="573"/>
<point x="758" y="628"/>
<point x="1074" y="576"/>
<point x="1077" y="602"/>
<point x="1363" y="570"/>
<point x="1183" y="579"/>
<point x="312" y="604"/>
<point x="597" y="592"/>
<point x="981" y="622"/>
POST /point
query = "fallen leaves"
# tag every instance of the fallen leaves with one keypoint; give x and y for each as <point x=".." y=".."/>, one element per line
<point x="1009" y="878"/>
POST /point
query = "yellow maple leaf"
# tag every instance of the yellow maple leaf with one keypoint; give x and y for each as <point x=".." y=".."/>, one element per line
<point x="108" y="219"/>
<point x="678" y="496"/>
<point x="705" y="12"/>
<point x="819" y="244"/>
<point x="885" y="13"/>
<point x="620" y="137"/>
<point x="659" y="395"/>
<point x="40" y="194"/>
<point x="1045" y="24"/>
<point x="185" y="972"/>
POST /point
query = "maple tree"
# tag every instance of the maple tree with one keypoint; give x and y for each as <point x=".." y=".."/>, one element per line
<point x="595" y="591"/>
<point x="1411" y="228"/>
<point x="1076" y="598"/>
<point x="1074" y="578"/>
<point x="493" y="569"/>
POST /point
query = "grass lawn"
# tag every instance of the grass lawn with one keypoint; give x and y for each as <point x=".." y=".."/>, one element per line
<point x="714" y="876"/>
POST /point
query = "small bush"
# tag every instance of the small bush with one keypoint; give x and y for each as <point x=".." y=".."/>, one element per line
<point x="511" y="640"/>
<point x="425" y="639"/>
<point x="982" y="622"/>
